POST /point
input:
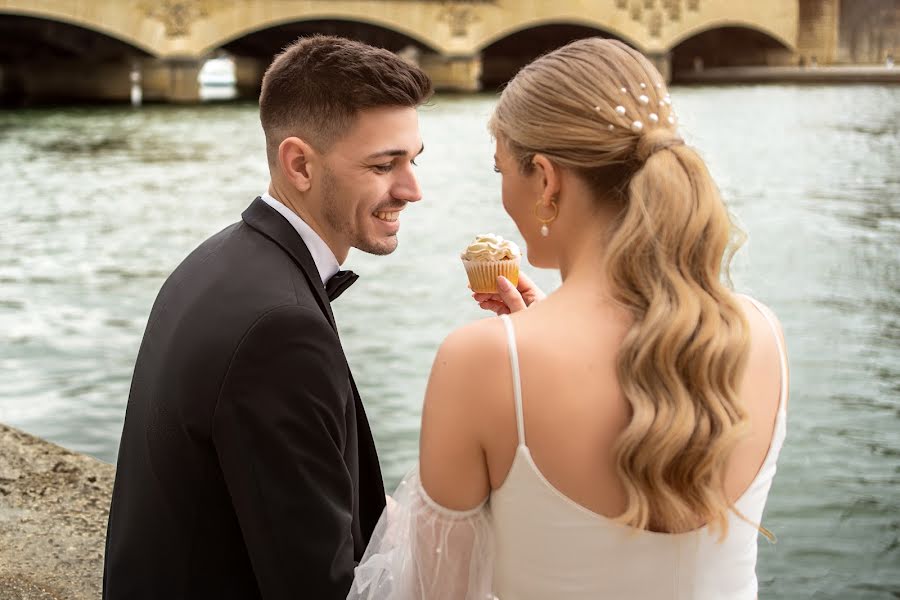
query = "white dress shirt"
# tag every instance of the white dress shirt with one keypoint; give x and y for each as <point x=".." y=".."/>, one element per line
<point x="322" y="255"/>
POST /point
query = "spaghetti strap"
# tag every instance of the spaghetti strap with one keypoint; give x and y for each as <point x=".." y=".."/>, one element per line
<point x="517" y="382"/>
<point x="782" y="355"/>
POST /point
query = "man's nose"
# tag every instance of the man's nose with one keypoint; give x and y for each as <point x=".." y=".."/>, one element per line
<point x="407" y="188"/>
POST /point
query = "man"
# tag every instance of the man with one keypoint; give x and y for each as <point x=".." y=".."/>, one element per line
<point x="247" y="468"/>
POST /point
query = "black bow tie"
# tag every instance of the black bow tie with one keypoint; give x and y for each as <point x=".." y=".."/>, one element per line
<point x="339" y="282"/>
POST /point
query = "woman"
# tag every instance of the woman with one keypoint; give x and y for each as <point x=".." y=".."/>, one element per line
<point x="617" y="439"/>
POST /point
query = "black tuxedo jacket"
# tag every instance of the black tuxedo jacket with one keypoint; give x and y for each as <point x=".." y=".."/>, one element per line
<point x="246" y="468"/>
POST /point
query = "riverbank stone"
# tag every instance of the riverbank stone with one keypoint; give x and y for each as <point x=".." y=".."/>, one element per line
<point x="54" y="505"/>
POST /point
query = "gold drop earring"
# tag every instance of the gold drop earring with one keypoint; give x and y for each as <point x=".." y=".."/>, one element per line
<point x="545" y="222"/>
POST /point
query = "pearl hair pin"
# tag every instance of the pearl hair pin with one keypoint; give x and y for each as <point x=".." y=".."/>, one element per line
<point x="637" y="126"/>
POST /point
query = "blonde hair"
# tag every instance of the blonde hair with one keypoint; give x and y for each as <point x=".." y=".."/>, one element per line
<point x="682" y="359"/>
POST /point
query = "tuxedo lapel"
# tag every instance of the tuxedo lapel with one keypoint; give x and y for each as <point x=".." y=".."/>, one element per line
<point x="267" y="221"/>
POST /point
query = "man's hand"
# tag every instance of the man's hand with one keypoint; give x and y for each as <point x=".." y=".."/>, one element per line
<point x="509" y="299"/>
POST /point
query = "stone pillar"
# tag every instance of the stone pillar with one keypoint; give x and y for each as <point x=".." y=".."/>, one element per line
<point x="663" y="63"/>
<point x="184" y="86"/>
<point x="817" y="34"/>
<point x="453" y="73"/>
<point x="173" y="80"/>
<point x="248" y="74"/>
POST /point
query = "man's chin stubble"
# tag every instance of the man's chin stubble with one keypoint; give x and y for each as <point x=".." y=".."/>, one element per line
<point x="377" y="249"/>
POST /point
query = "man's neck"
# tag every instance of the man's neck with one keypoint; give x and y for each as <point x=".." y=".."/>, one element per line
<point x="294" y="201"/>
<point x="326" y="263"/>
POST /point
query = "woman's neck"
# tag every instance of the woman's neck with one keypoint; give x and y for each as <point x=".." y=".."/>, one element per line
<point x="581" y="261"/>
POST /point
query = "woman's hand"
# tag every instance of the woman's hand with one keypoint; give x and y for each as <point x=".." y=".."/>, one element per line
<point x="509" y="299"/>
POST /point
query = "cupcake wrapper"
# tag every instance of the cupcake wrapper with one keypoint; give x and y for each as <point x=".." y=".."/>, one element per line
<point x="483" y="274"/>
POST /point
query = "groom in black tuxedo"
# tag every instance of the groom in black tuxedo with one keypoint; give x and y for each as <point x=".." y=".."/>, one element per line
<point x="246" y="467"/>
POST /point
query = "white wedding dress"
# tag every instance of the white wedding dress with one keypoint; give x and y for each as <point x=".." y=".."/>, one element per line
<point x="528" y="541"/>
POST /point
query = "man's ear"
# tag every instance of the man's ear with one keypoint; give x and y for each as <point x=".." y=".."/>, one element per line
<point x="550" y="177"/>
<point x="297" y="161"/>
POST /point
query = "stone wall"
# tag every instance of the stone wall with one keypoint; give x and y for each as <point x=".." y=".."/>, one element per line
<point x="54" y="506"/>
<point x="869" y="31"/>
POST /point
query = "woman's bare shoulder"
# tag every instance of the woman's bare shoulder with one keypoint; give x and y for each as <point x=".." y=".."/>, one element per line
<point x="456" y="417"/>
<point x="472" y="371"/>
<point x="476" y="346"/>
<point x="766" y="342"/>
<point x="763" y="320"/>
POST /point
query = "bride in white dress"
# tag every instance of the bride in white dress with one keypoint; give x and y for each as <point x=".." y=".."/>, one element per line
<point x="618" y="438"/>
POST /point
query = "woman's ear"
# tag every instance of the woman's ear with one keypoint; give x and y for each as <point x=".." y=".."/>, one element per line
<point x="296" y="159"/>
<point x="549" y="177"/>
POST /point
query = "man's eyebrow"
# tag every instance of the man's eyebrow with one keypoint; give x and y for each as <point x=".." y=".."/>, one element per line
<point x="393" y="152"/>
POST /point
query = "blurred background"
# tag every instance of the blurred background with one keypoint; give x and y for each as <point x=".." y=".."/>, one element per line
<point x="129" y="133"/>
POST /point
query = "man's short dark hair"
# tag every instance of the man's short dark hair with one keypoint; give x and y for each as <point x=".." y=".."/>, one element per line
<point x="316" y="87"/>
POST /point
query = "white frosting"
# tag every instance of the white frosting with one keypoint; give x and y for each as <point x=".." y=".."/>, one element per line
<point x="489" y="246"/>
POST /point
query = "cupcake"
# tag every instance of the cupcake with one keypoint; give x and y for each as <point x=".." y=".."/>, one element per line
<point x="487" y="257"/>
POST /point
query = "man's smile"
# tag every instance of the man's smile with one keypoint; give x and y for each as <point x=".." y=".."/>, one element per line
<point x="388" y="215"/>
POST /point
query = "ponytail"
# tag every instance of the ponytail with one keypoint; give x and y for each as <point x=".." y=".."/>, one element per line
<point x="682" y="360"/>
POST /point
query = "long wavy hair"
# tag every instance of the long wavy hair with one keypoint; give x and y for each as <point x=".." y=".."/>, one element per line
<point x="601" y="109"/>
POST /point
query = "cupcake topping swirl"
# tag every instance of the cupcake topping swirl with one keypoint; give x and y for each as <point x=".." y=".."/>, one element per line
<point x="489" y="246"/>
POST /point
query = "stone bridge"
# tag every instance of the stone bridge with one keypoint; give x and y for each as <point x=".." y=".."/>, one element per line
<point x="89" y="49"/>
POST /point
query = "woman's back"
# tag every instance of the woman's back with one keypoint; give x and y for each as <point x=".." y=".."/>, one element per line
<point x="554" y="493"/>
<point x="641" y="409"/>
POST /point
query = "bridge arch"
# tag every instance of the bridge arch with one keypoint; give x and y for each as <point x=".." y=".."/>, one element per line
<point x="118" y="25"/>
<point x="225" y="32"/>
<point x="746" y="45"/>
<point x="502" y="58"/>
<point x="374" y="24"/>
<point x="777" y="19"/>
<point x="788" y="43"/>
<point x="58" y="58"/>
<point x="603" y="29"/>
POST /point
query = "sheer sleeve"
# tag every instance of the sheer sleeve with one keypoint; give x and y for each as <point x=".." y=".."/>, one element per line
<point x="424" y="551"/>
